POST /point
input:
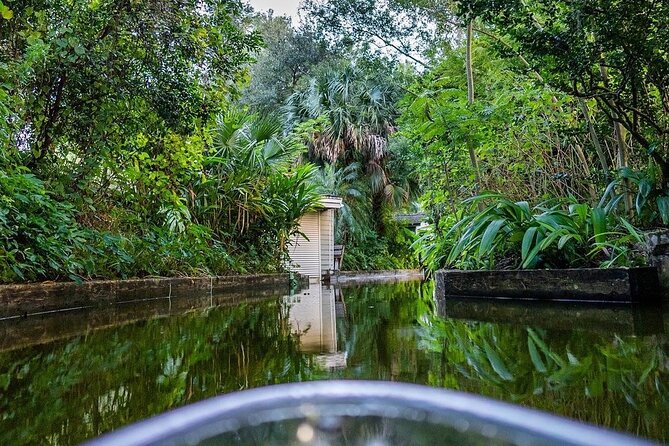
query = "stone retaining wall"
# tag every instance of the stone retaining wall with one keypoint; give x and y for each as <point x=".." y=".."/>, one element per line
<point x="586" y="284"/>
<point x="657" y="250"/>
<point x="25" y="299"/>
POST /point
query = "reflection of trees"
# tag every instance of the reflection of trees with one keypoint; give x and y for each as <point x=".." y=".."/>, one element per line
<point x="74" y="390"/>
<point x="609" y="380"/>
<point x="65" y="392"/>
<point x="378" y="333"/>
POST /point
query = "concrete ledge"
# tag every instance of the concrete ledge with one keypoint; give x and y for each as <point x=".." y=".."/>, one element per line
<point x="588" y="285"/>
<point x="25" y="299"/>
<point x="344" y="277"/>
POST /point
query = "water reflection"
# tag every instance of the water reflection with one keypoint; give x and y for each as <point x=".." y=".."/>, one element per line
<point x="621" y="319"/>
<point x="66" y="378"/>
<point x="312" y="316"/>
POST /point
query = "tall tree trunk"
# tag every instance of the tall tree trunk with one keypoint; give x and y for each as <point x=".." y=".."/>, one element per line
<point x="595" y="139"/>
<point x="622" y="161"/>
<point x="45" y="139"/>
<point x="470" y="100"/>
<point x="621" y="146"/>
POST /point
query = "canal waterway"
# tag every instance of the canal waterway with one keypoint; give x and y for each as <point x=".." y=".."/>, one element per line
<point x="68" y="377"/>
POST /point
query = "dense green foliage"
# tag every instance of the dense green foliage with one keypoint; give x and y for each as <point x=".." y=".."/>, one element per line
<point x="559" y="107"/>
<point x="125" y="152"/>
<point x="497" y="232"/>
<point x="564" y="109"/>
<point x="201" y="132"/>
<point x="347" y="114"/>
<point x="288" y="54"/>
<point x="101" y="81"/>
<point x="188" y="137"/>
<point x="121" y="157"/>
<point x="609" y="50"/>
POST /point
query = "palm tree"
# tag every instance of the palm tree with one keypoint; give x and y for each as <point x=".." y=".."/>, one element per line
<point x="252" y="176"/>
<point x="346" y="182"/>
<point x="358" y="115"/>
<point x="351" y="117"/>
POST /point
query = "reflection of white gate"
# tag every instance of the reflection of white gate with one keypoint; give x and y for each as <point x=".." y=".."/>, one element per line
<point x="312" y="316"/>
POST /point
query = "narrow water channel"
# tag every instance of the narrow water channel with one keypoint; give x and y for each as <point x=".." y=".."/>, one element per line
<point x="67" y="378"/>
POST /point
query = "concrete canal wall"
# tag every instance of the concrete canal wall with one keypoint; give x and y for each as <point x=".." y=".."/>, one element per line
<point x="26" y="299"/>
<point x="585" y="284"/>
<point x="347" y="277"/>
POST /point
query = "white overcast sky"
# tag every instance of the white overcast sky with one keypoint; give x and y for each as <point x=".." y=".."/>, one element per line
<point x="280" y="7"/>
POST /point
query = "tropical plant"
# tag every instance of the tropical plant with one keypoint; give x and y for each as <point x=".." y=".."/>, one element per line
<point x="293" y="194"/>
<point x="39" y="236"/>
<point x="432" y="247"/>
<point x="359" y="113"/>
<point x="558" y="235"/>
<point x="651" y="204"/>
<point x="346" y="114"/>
<point x="347" y="183"/>
<point x="605" y="50"/>
<point x="252" y="183"/>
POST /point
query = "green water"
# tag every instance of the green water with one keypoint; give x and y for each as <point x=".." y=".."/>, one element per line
<point x="605" y="366"/>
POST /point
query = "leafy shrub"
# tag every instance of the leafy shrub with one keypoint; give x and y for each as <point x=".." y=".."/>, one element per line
<point x="650" y="203"/>
<point x="40" y="239"/>
<point x="507" y="234"/>
<point x="160" y="252"/>
<point x="372" y="252"/>
<point x="39" y="236"/>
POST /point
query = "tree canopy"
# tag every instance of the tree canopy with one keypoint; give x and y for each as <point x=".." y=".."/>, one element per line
<point x="204" y="130"/>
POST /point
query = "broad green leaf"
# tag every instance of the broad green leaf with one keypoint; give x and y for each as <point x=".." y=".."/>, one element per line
<point x="528" y="238"/>
<point x="613" y="204"/>
<point x="544" y="348"/>
<point x="632" y="230"/>
<point x="489" y="236"/>
<point x="532" y="259"/>
<point x="524" y="206"/>
<point x="599" y="224"/>
<point x="566" y="238"/>
<point x="581" y="210"/>
<point x="6" y="13"/>
<point x="609" y="191"/>
<point x="550" y="239"/>
<point x="663" y="208"/>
